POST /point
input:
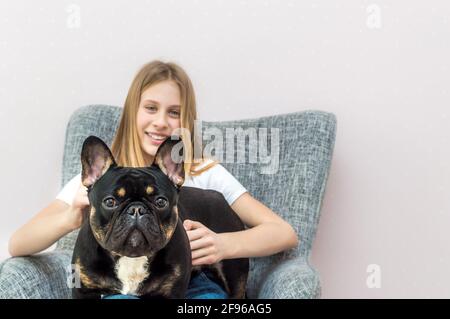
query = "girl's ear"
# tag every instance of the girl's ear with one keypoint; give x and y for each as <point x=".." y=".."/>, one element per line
<point x="169" y="159"/>
<point x="96" y="159"/>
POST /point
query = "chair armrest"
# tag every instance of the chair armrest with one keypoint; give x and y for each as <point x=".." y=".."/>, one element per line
<point x="40" y="276"/>
<point x="291" y="279"/>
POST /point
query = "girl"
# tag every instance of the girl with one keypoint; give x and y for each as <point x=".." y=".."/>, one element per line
<point x="161" y="100"/>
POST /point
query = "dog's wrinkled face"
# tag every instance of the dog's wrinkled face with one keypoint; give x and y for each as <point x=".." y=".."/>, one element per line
<point x="133" y="210"/>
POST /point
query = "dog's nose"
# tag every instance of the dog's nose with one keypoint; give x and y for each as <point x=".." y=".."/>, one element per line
<point x="136" y="210"/>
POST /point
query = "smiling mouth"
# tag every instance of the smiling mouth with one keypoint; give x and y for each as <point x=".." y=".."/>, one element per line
<point x="156" y="137"/>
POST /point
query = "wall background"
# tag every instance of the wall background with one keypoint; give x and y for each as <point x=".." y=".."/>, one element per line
<point x="382" y="67"/>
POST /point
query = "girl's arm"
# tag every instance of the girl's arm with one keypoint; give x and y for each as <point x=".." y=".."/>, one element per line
<point x="42" y="231"/>
<point x="268" y="234"/>
<point x="49" y="225"/>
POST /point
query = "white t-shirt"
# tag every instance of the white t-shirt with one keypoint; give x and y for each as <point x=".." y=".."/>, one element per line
<point x="216" y="178"/>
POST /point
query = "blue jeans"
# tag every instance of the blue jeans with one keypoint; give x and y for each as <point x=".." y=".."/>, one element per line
<point x="200" y="287"/>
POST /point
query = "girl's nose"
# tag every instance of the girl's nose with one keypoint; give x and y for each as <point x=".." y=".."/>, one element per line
<point x="160" y="120"/>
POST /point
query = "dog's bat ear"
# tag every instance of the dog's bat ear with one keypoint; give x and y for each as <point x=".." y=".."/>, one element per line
<point x="170" y="159"/>
<point x="96" y="159"/>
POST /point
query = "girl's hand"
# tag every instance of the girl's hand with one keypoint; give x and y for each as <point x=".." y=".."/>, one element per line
<point x="78" y="211"/>
<point x="207" y="247"/>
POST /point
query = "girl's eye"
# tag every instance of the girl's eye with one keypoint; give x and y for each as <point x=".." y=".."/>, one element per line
<point x="110" y="202"/>
<point x="151" y="108"/>
<point x="175" y="113"/>
<point x="161" y="202"/>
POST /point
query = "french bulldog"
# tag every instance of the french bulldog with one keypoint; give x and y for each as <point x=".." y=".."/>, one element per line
<point x="132" y="240"/>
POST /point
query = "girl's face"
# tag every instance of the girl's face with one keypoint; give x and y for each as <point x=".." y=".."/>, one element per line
<point x="158" y="116"/>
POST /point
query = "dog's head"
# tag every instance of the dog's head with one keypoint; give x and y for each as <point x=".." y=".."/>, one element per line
<point x="133" y="210"/>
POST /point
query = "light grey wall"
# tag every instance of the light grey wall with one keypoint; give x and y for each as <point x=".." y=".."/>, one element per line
<point x="381" y="66"/>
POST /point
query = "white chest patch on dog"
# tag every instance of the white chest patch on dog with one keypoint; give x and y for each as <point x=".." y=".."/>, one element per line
<point x="132" y="272"/>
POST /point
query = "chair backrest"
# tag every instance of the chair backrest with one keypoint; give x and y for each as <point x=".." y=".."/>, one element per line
<point x="98" y="120"/>
<point x="291" y="184"/>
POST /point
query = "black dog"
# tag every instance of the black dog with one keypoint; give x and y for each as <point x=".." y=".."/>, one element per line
<point x="133" y="241"/>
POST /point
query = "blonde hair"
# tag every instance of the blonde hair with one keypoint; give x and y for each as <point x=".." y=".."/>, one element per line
<point x="126" y="146"/>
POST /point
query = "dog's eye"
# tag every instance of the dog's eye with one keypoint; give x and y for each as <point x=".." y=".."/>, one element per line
<point x="110" y="202"/>
<point x="161" y="202"/>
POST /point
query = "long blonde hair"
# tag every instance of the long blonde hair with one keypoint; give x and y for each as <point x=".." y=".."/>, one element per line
<point x="126" y="146"/>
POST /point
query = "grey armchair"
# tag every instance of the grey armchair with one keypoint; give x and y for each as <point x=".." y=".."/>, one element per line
<point x="295" y="192"/>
